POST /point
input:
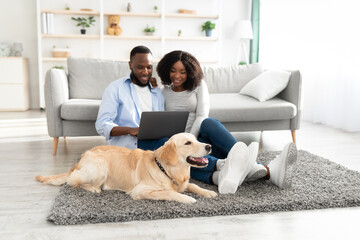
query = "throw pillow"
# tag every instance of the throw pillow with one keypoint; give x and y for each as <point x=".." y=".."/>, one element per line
<point x="266" y="85"/>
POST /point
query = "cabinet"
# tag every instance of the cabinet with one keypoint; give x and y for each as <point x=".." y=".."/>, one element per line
<point x="98" y="44"/>
<point x="14" y="84"/>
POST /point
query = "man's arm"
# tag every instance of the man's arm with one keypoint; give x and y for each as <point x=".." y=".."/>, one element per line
<point x="107" y="114"/>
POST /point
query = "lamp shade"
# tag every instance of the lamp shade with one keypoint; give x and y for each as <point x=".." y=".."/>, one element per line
<point x="244" y="30"/>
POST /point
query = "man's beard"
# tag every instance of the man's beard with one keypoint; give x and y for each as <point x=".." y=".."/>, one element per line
<point x="137" y="81"/>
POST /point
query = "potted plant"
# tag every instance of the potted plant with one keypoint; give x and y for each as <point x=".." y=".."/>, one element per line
<point x="208" y="27"/>
<point x="179" y="33"/>
<point x="84" y="23"/>
<point x="155" y="9"/>
<point x="149" y="30"/>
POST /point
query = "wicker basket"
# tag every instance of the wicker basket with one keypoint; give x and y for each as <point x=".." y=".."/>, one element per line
<point x="61" y="52"/>
<point x="187" y="11"/>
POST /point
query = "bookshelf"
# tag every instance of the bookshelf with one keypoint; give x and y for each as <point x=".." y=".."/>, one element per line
<point x="96" y="43"/>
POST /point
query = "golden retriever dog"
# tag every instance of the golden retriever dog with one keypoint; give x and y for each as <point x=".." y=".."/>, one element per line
<point x="162" y="174"/>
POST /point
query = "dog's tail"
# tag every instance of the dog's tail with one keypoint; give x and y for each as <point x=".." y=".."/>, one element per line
<point x="53" y="179"/>
<point x="57" y="180"/>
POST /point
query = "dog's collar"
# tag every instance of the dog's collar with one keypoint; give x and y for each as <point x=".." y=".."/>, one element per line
<point x="163" y="170"/>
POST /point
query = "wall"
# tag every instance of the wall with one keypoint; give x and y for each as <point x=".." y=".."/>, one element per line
<point x="18" y="24"/>
<point x="23" y="27"/>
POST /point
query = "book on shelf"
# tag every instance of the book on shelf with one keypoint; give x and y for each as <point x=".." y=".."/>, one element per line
<point x="50" y="23"/>
<point x="44" y="23"/>
<point x="47" y="23"/>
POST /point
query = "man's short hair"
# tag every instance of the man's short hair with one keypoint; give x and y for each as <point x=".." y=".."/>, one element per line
<point x="139" y="49"/>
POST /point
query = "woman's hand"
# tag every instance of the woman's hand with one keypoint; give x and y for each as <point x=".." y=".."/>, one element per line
<point x="153" y="82"/>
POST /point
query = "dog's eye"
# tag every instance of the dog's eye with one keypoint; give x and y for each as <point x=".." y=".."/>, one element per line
<point x="188" y="143"/>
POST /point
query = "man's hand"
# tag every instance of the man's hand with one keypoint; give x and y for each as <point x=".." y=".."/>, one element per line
<point x="134" y="131"/>
<point x="153" y="82"/>
<point x="119" y="131"/>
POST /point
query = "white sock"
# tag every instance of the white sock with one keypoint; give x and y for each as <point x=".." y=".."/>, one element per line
<point x="215" y="177"/>
<point x="219" y="164"/>
<point x="235" y="169"/>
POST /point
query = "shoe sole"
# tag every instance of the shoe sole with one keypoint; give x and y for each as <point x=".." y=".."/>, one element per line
<point x="257" y="175"/>
<point x="291" y="156"/>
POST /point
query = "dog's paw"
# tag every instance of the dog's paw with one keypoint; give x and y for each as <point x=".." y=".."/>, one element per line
<point x="92" y="189"/>
<point x="210" y="194"/>
<point x="187" y="199"/>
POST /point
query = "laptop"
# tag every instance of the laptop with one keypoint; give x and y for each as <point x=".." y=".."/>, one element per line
<point x="156" y="125"/>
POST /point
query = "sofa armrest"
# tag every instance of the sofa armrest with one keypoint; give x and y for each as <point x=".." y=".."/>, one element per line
<point x="56" y="93"/>
<point x="292" y="93"/>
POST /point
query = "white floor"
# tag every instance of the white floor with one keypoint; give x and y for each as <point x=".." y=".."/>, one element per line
<point x="25" y="151"/>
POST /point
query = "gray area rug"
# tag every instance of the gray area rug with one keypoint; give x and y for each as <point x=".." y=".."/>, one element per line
<point x="318" y="183"/>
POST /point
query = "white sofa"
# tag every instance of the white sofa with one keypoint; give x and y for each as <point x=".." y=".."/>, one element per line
<point x="72" y="99"/>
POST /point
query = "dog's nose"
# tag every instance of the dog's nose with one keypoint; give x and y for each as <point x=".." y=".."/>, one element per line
<point x="208" y="147"/>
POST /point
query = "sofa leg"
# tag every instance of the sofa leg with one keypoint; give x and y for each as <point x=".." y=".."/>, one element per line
<point x="55" y="144"/>
<point x="293" y="135"/>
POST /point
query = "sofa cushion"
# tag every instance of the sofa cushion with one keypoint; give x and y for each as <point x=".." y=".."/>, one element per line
<point x="234" y="107"/>
<point x="80" y="109"/>
<point x="230" y="79"/>
<point x="266" y="85"/>
<point x="88" y="77"/>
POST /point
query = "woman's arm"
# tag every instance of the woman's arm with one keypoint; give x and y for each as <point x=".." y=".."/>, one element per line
<point x="202" y="108"/>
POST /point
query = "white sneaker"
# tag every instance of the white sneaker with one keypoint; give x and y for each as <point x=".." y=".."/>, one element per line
<point x="281" y="167"/>
<point x="257" y="171"/>
<point x="237" y="166"/>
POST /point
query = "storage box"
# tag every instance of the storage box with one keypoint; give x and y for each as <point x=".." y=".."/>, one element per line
<point x="61" y="52"/>
<point x="187" y="11"/>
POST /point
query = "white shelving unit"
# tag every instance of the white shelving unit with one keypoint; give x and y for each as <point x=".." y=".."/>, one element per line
<point x="97" y="44"/>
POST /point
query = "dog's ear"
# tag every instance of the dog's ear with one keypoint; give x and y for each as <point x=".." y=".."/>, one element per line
<point x="167" y="153"/>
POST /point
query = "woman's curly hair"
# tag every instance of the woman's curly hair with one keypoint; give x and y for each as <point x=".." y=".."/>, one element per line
<point x="192" y="66"/>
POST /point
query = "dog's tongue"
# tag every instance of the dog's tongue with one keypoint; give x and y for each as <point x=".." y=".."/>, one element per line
<point x="201" y="159"/>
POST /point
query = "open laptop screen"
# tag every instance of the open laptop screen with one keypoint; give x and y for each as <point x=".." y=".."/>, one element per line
<point x="156" y="125"/>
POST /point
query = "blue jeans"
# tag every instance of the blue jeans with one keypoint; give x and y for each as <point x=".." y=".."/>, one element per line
<point x="213" y="132"/>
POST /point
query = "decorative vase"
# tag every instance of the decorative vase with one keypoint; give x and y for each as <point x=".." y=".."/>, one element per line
<point x="208" y="32"/>
<point x="149" y="33"/>
<point x="83" y="31"/>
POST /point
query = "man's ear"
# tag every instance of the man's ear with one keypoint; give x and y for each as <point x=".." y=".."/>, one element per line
<point x="167" y="153"/>
<point x="130" y="64"/>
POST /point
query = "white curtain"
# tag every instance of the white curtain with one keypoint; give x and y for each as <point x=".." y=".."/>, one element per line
<point x="321" y="38"/>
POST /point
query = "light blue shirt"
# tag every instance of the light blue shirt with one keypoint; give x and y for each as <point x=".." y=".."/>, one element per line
<point x="120" y="106"/>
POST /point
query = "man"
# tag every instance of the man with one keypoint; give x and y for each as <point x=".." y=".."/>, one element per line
<point x="125" y="99"/>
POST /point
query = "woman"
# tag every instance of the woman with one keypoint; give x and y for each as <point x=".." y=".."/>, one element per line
<point x="181" y="75"/>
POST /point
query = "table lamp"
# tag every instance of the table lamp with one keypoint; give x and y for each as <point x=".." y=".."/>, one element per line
<point x="244" y="32"/>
